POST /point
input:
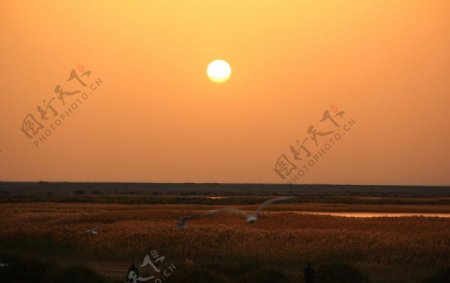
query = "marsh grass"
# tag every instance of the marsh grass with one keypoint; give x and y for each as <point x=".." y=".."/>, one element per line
<point x="411" y="248"/>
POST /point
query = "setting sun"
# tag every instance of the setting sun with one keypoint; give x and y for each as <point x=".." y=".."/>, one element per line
<point x="219" y="71"/>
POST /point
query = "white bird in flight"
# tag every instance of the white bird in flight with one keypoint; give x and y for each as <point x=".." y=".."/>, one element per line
<point x="249" y="217"/>
<point x="3" y="265"/>
<point x="92" y="231"/>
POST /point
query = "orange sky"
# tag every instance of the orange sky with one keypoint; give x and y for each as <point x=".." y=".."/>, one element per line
<point x="157" y="118"/>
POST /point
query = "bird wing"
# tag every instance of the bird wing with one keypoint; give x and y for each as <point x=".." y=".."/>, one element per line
<point x="211" y="213"/>
<point x="184" y="219"/>
<point x="270" y="201"/>
<point x="226" y="210"/>
<point x="91" y="230"/>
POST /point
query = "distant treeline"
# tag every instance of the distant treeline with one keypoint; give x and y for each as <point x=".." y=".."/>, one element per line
<point x="79" y="196"/>
<point x="66" y="188"/>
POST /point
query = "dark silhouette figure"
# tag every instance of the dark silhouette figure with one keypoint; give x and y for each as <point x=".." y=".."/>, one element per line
<point x="133" y="273"/>
<point x="309" y="273"/>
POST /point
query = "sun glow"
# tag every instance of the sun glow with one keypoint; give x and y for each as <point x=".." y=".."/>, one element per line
<point x="219" y="71"/>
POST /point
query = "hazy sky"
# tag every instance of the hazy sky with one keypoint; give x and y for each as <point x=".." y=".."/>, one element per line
<point x="153" y="115"/>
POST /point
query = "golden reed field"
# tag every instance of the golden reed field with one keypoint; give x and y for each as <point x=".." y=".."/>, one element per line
<point x="412" y="248"/>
